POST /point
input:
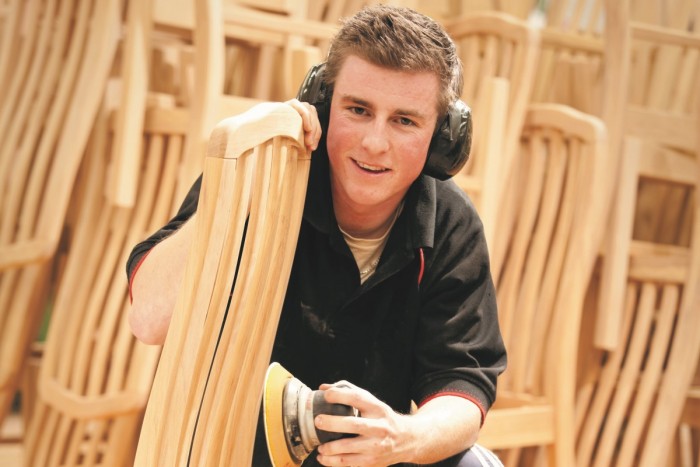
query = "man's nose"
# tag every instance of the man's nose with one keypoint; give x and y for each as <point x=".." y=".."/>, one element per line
<point x="375" y="140"/>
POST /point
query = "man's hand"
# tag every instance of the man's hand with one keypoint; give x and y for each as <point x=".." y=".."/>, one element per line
<point x="441" y="428"/>
<point x="383" y="436"/>
<point x="311" y="124"/>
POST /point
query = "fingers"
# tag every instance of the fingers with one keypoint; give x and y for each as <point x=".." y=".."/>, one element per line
<point x="347" y="393"/>
<point x="360" y="450"/>
<point x="310" y="122"/>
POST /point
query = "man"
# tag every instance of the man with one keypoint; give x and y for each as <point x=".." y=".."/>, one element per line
<point x="390" y="288"/>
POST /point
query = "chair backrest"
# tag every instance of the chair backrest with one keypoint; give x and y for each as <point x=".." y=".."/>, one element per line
<point x="219" y="342"/>
<point x="95" y="376"/>
<point x="551" y="228"/>
<point x="54" y="81"/>
<point x="499" y="56"/>
<point x="649" y="280"/>
<point x="558" y="209"/>
<point x="661" y="108"/>
<point x="635" y="393"/>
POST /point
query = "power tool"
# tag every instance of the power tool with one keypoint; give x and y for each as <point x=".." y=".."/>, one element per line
<point x="289" y="409"/>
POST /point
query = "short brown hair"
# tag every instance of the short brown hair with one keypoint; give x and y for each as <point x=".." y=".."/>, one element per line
<point x="402" y="39"/>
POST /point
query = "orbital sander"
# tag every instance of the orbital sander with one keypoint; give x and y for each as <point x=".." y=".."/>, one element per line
<point x="289" y="409"/>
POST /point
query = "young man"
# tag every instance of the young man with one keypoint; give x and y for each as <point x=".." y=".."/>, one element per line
<point x="390" y="288"/>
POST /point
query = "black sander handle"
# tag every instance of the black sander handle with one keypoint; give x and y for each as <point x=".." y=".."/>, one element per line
<point x="321" y="406"/>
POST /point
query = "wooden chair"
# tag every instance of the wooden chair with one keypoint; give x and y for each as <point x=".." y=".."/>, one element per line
<point x="254" y="180"/>
<point x="95" y="377"/>
<point x="53" y="94"/>
<point x="234" y="48"/>
<point x="557" y="202"/>
<point x="634" y="401"/>
<point x="651" y="240"/>
<point x="499" y="54"/>
<point x="570" y="69"/>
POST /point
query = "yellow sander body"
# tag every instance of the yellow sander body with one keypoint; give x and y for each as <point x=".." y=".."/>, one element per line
<point x="276" y="381"/>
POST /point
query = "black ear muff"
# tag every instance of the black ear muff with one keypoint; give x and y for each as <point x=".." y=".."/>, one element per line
<point x="451" y="143"/>
<point x="449" y="148"/>
<point x="315" y="91"/>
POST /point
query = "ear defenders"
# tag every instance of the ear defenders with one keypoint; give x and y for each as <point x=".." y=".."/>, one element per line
<point x="451" y="142"/>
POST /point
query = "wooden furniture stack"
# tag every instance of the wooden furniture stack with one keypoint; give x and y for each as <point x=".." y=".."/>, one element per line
<point x="556" y="201"/>
<point x="630" y="398"/>
<point x="95" y="377"/>
<point x="499" y="55"/>
<point x="220" y="338"/>
<point x="54" y="61"/>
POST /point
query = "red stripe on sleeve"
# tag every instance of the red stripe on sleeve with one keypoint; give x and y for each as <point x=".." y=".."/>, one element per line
<point x="463" y="395"/>
<point x="133" y="274"/>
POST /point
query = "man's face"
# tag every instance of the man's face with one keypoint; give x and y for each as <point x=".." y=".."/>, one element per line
<point x="381" y="123"/>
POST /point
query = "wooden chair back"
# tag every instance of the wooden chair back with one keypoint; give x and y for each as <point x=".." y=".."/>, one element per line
<point x="633" y="398"/>
<point x="499" y="55"/>
<point x="204" y="403"/>
<point x="54" y="81"/>
<point x="648" y="283"/>
<point x="95" y="377"/>
<point x="558" y="209"/>
<point x="571" y="63"/>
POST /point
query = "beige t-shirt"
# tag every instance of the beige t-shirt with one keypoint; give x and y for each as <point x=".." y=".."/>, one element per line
<point x="368" y="251"/>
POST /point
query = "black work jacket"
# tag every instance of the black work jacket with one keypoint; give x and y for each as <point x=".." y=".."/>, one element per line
<point x="424" y="324"/>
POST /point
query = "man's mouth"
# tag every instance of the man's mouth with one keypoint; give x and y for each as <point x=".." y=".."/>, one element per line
<point x="371" y="168"/>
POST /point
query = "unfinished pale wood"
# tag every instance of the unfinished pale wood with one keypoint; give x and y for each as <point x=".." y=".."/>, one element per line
<point x="95" y="377"/>
<point x="614" y="91"/>
<point x="518" y="422"/>
<point x="271" y="37"/>
<point x="629" y="406"/>
<point x="499" y="54"/>
<point x="256" y="169"/>
<point x="8" y="42"/>
<point x="556" y="200"/>
<point x="62" y="87"/>
<point x="664" y="64"/>
<point x="121" y="187"/>
<point x="684" y="352"/>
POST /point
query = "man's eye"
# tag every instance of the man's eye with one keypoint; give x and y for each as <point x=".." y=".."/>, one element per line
<point x="406" y="121"/>
<point x="357" y="110"/>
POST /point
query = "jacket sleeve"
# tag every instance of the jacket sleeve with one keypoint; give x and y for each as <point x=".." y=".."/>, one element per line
<point x="459" y="348"/>
<point x="187" y="209"/>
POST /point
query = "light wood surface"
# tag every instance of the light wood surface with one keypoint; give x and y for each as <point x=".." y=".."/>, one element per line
<point x="256" y="169"/>
<point x="499" y="54"/>
<point x="557" y="205"/>
<point x="95" y="377"/>
<point x="54" y="93"/>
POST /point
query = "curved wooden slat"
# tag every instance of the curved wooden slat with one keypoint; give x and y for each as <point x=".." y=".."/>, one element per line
<point x="255" y="176"/>
<point x="557" y="204"/>
<point x="38" y="165"/>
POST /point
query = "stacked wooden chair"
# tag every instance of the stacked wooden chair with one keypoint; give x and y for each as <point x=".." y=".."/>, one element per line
<point x="628" y="400"/>
<point x="52" y="82"/>
<point x="499" y="55"/>
<point x="557" y="203"/>
<point x="220" y="339"/>
<point x="95" y="377"/>
<point x="571" y="62"/>
<point x="632" y="407"/>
